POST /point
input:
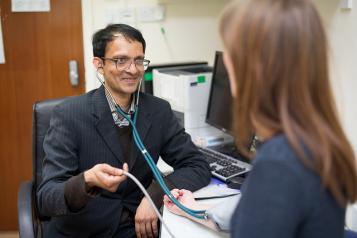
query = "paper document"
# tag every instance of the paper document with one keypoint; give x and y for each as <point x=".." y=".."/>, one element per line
<point x="30" y="5"/>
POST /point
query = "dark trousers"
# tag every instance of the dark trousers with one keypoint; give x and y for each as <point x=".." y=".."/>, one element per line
<point x="126" y="227"/>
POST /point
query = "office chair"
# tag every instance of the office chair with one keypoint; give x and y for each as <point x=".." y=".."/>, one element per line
<point x="30" y="221"/>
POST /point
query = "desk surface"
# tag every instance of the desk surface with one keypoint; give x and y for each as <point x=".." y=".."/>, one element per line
<point x="182" y="227"/>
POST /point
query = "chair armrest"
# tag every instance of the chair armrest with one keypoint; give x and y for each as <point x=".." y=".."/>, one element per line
<point x="25" y="210"/>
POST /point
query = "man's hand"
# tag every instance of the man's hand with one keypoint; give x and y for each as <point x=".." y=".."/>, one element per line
<point x="105" y="176"/>
<point x="145" y="220"/>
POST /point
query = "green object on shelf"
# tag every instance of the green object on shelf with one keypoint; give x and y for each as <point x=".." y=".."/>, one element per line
<point x="148" y="76"/>
<point x="201" y="79"/>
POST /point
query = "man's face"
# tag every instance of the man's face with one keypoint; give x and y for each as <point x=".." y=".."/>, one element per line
<point x="123" y="80"/>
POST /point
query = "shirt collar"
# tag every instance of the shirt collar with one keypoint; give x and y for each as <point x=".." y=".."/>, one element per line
<point x="112" y="106"/>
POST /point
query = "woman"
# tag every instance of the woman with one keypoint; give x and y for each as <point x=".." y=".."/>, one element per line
<point x="304" y="172"/>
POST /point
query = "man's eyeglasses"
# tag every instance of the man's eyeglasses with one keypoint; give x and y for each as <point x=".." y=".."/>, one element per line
<point x="124" y="63"/>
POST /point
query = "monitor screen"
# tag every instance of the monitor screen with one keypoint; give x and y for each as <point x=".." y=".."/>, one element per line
<point x="219" y="110"/>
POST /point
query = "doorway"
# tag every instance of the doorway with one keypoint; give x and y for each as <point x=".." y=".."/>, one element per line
<point x="38" y="47"/>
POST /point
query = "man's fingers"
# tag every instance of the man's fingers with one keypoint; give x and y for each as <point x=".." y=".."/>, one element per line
<point x="154" y="227"/>
<point x="110" y="182"/>
<point x="137" y="229"/>
<point x="142" y="229"/>
<point x="110" y="170"/>
<point x="125" y="167"/>
<point x="148" y="230"/>
<point x="106" y="176"/>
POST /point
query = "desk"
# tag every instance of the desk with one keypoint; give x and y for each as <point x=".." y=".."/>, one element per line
<point x="182" y="227"/>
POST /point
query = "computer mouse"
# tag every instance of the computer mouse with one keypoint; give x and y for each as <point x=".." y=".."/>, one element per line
<point x="235" y="182"/>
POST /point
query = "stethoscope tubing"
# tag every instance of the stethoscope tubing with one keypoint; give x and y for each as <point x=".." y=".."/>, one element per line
<point x="153" y="167"/>
<point x="200" y="214"/>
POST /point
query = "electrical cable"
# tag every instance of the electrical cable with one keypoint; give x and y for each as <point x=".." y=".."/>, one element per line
<point x="132" y="177"/>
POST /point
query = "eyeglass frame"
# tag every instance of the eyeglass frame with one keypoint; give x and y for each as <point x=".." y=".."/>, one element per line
<point x="116" y="60"/>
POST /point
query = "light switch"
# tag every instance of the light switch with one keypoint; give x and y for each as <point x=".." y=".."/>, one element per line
<point x="346" y="4"/>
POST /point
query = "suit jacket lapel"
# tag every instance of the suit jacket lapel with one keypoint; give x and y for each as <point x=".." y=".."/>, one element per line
<point x="105" y="123"/>
<point x="143" y="125"/>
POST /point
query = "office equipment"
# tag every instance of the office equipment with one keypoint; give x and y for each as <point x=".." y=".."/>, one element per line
<point x="236" y="182"/>
<point x="147" y="85"/>
<point x="219" y="110"/>
<point x="186" y="89"/>
<point x="31" y="223"/>
<point x="224" y="166"/>
<point x="224" y="159"/>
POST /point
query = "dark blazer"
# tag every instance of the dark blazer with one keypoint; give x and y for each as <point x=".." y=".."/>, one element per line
<point x="282" y="198"/>
<point x="82" y="134"/>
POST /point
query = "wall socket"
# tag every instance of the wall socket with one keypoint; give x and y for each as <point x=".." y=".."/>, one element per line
<point x="151" y="13"/>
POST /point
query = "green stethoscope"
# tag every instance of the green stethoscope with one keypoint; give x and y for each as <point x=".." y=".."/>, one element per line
<point x="200" y="214"/>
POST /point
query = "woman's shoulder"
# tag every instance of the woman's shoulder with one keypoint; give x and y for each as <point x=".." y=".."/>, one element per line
<point x="278" y="151"/>
<point x="276" y="148"/>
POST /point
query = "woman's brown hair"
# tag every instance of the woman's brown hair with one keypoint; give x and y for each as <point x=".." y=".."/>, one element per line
<point x="278" y="49"/>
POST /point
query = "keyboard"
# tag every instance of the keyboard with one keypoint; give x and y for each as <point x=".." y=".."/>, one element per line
<point x="224" y="166"/>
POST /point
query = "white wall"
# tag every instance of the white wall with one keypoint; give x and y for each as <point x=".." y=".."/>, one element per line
<point x="191" y="29"/>
<point x="341" y="27"/>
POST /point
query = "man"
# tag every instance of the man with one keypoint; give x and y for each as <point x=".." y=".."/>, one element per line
<point x="83" y="190"/>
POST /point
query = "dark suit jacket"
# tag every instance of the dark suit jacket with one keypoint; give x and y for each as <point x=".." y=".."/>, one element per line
<point x="82" y="134"/>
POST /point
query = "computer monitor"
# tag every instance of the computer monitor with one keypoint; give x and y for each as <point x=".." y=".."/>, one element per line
<point x="219" y="110"/>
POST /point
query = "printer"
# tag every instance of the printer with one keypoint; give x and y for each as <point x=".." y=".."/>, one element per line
<point x="187" y="89"/>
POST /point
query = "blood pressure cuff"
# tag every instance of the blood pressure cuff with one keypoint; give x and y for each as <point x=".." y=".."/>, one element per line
<point x="221" y="213"/>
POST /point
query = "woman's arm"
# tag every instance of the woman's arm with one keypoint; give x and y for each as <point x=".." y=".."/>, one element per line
<point x="187" y="199"/>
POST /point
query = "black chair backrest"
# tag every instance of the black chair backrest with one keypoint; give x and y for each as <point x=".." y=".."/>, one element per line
<point x="41" y="116"/>
<point x="42" y="112"/>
